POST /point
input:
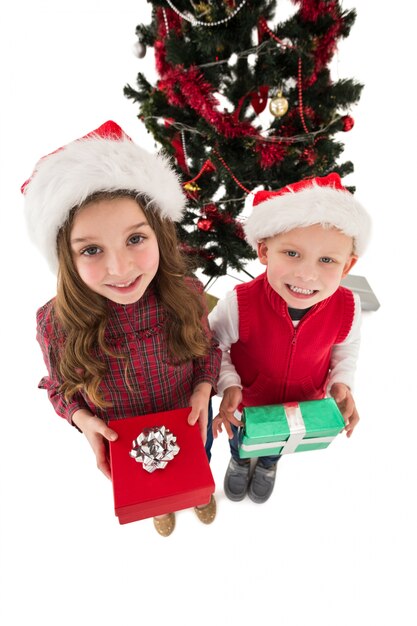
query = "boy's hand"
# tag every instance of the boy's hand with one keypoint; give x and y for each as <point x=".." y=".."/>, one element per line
<point x="344" y="400"/>
<point x="199" y="403"/>
<point x="97" y="434"/>
<point x="232" y="397"/>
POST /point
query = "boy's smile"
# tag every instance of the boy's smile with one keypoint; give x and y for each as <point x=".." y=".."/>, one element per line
<point x="306" y="265"/>
<point x="301" y="292"/>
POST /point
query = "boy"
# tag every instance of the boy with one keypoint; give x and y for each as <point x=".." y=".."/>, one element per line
<point x="292" y="334"/>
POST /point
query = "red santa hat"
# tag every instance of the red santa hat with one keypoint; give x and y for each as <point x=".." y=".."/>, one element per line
<point x="104" y="160"/>
<point x="312" y="201"/>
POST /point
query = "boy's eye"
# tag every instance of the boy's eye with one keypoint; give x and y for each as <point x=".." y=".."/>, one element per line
<point x="90" y="251"/>
<point x="291" y="253"/>
<point x="326" y="259"/>
<point x="135" y="239"/>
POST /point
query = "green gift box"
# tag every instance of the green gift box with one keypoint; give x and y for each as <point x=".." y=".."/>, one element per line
<point x="289" y="427"/>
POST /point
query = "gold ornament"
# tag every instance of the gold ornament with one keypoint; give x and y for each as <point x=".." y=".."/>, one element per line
<point x="191" y="187"/>
<point x="204" y="10"/>
<point x="278" y="105"/>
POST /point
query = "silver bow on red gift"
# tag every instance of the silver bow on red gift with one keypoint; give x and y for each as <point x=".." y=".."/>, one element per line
<point x="154" y="448"/>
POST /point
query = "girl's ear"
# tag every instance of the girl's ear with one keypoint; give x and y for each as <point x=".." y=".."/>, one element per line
<point x="349" y="264"/>
<point x="263" y="252"/>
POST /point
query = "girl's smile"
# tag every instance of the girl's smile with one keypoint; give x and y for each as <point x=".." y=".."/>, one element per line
<point x="126" y="286"/>
<point x="115" y="250"/>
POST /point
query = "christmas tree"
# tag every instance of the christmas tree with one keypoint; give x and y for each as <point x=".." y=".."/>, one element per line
<point x="242" y="102"/>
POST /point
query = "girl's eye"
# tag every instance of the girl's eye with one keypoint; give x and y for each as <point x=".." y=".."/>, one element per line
<point x="326" y="259"/>
<point x="291" y="253"/>
<point x="135" y="239"/>
<point x="91" y="251"/>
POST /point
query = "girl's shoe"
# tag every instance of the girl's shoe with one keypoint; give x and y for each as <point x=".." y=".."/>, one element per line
<point x="164" y="525"/>
<point x="207" y="513"/>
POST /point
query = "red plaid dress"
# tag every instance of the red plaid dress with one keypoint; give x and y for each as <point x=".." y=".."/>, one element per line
<point x="139" y="331"/>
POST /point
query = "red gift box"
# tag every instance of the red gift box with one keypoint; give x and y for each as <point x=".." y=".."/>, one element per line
<point x="185" y="482"/>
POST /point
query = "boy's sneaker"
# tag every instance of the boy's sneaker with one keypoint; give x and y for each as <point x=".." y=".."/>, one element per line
<point x="236" y="479"/>
<point x="262" y="483"/>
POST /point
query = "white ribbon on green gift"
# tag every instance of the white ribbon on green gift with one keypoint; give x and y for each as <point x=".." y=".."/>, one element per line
<point x="296" y="425"/>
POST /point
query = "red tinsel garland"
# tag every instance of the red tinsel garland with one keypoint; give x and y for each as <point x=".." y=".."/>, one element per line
<point x="212" y="215"/>
<point x="310" y="11"/>
<point x="270" y="154"/>
<point x="174" y="23"/>
<point x="187" y="86"/>
<point x="189" y="251"/>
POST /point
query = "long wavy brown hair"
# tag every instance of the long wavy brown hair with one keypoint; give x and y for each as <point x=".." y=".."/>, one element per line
<point x="83" y="313"/>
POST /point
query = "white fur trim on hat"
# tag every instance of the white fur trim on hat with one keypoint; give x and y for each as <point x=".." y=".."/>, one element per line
<point x="313" y="205"/>
<point x="66" y="178"/>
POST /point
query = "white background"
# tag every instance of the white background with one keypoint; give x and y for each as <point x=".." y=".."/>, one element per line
<point x="336" y="543"/>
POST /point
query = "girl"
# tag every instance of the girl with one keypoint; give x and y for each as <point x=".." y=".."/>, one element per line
<point x="126" y="333"/>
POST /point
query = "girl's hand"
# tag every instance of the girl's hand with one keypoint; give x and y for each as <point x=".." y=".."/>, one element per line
<point x="199" y="403"/>
<point x="232" y="397"/>
<point x="97" y="434"/>
<point x="344" y="400"/>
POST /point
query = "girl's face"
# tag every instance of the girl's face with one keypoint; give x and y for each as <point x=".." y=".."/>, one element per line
<point x="306" y="265"/>
<point x="115" y="250"/>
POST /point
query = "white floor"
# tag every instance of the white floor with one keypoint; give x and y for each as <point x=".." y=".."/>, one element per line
<point x="336" y="544"/>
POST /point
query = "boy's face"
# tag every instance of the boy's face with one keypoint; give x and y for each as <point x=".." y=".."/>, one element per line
<point x="305" y="265"/>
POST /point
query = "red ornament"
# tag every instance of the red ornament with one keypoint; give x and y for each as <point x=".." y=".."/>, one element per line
<point x="259" y="99"/>
<point x="211" y="211"/>
<point x="205" y="224"/>
<point x="348" y="123"/>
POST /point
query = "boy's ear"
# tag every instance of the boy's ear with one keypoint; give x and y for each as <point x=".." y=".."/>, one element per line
<point x="263" y="252"/>
<point x="349" y="264"/>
